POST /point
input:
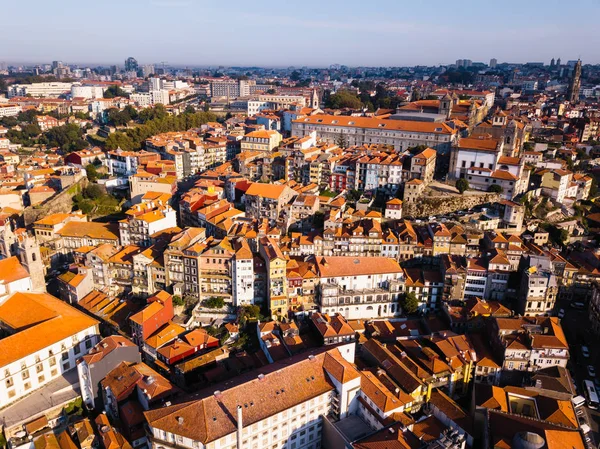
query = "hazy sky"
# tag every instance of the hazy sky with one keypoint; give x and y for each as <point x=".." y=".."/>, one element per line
<point x="307" y="32"/>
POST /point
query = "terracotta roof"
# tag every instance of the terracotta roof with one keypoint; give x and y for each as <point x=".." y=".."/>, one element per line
<point x="210" y="418"/>
<point x="336" y="266"/>
<point x="273" y="191"/>
<point x="371" y="122"/>
<point x="11" y="270"/>
<point x="39" y="320"/>
<point x="93" y="230"/>
<point x="105" y="347"/>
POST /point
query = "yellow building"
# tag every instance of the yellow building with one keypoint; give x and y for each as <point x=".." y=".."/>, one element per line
<point x="261" y="141"/>
<point x="276" y="264"/>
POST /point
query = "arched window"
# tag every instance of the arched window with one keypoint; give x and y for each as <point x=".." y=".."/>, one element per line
<point x="33" y="256"/>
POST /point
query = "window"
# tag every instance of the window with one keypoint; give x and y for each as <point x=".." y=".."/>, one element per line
<point x="25" y="374"/>
<point x="9" y="382"/>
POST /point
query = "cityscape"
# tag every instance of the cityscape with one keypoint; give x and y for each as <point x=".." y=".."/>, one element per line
<point x="338" y="256"/>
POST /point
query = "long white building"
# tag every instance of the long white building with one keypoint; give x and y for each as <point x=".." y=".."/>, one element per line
<point x="45" y="338"/>
<point x="402" y="134"/>
<point x="53" y="89"/>
<point x="281" y="408"/>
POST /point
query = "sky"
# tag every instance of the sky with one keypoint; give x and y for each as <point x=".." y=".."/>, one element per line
<point x="314" y="33"/>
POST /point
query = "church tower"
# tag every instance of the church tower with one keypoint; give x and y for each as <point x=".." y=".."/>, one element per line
<point x="314" y="100"/>
<point x="31" y="258"/>
<point x="575" y="84"/>
<point x="445" y="107"/>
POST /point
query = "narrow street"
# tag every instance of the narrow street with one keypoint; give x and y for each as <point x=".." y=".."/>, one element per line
<point x="577" y="330"/>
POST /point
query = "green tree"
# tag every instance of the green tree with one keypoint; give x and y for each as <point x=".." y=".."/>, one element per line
<point x="341" y="141"/>
<point x="462" y="185"/>
<point x="68" y="137"/>
<point x="94" y="192"/>
<point x="410" y="303"/>
<point x="593" y="189"/>
<point x="115" y="91"/>
<point x="344" y="99"/>
<point x="214" y="303"/>
<point x="92" y="172"/>
<point x="178" y="300"/>
<point x="250" y="311"/>
<point x="295" y="76"/>
<point x="495" y="188"/>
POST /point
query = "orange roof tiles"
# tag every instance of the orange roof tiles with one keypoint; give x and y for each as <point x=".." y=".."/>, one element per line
<point x="40" y="321"/>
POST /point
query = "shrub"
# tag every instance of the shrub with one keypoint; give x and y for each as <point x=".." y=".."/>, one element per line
<point x="462" y="185"/>
<point x="214" y="303"/>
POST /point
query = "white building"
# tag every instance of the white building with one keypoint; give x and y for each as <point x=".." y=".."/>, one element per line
<point x="282" y="409"/>
<point x="53" y="89"/>
<point x="274" y="102"/>
<point x="9" y="110"/>
<point x="359" y="287"/>
<point x="87" y="92"/>
<point x="147" y="218"/>
<point x="402" y="134"/>
<point x="46" y="337"/>
<point x="13" y="277"/>
<point x="242" y="275"/>
<point x="152" y="98"/>
<point x="475" y="152"/>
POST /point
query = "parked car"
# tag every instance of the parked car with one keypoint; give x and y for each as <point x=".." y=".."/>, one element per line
<point x="585" y="352"/>
<point x="577" y="305"/>
<point x="561" y="313"/>
<point x="591" y="371"/>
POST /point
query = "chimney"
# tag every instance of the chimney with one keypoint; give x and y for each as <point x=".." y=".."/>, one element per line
<point x="240" y="425"/>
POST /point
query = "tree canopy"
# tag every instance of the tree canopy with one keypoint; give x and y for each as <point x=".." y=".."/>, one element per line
<point x="68" y="137"/>
<point x="462" y="185"/>
<point x="115" y="91"/>
<point x="343" y="99"/>
<point x="410" y="303"/>
<point x="133" y="138"/>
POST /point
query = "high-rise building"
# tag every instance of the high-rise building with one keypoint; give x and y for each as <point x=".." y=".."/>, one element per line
<point x="558" y="62"/>
<point x="552" y="63"/>
<point x="493" y="63"/>
<point x="575" y="83"/>
<point x="131" y="65"/>
<point x="147" y="70"/>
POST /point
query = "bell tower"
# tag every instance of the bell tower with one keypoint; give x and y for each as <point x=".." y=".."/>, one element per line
<point x="31" y="258"/>
<point x="314" y="100"/>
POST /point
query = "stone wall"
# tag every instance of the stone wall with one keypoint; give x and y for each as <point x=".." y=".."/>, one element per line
<point x="60" y="203"/>
<point x="444" y="204"/>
